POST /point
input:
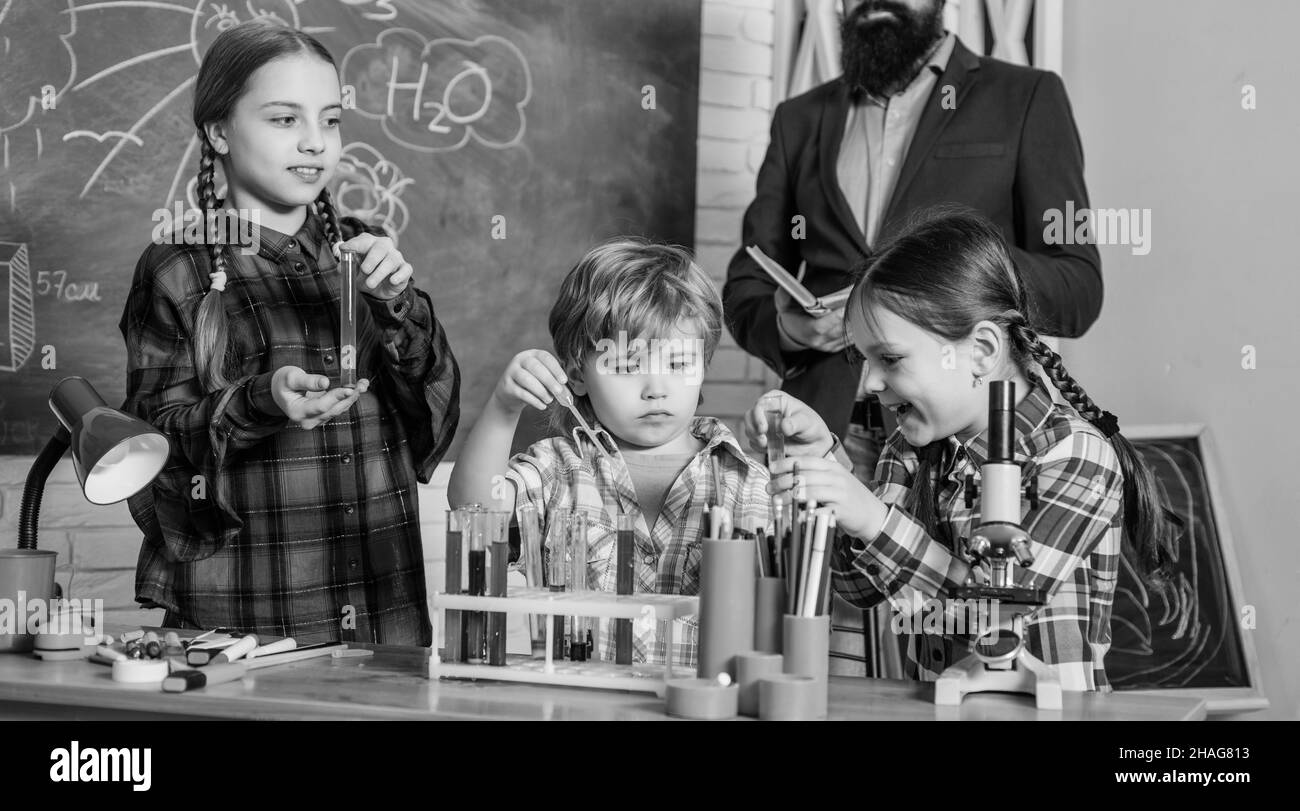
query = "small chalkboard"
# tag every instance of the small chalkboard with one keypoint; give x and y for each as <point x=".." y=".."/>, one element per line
<point x="1192" y="636"/>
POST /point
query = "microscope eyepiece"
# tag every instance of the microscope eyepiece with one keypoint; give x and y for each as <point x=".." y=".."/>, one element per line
<point x="1002" y="420"/>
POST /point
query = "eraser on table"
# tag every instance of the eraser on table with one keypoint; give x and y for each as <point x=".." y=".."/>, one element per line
<point x="139" y="671"/>
<point x="787" y="697"/>
<point x="702" y="699"/>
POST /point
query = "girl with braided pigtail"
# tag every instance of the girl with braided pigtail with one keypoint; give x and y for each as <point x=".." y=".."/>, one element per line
<point x="936" y="313"/>
<point x="289" y="503"/>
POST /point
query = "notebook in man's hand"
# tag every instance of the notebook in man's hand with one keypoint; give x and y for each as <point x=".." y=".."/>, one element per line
<point x="813" y="305"/>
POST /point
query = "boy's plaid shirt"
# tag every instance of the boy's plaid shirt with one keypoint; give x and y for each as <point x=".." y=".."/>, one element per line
<point x="257" y="524"/>
<point x="557" y="474"/>
<point x="1075" y="532"/>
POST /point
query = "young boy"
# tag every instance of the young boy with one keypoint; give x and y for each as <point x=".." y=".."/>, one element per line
<point x="634" y="327"/>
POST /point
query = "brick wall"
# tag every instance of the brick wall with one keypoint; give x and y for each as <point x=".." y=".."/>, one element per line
<point x="735" y="111"/>
<point x="98" y="546"/>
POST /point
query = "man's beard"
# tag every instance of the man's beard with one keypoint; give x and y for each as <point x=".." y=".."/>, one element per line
<point x="881" y="57"/>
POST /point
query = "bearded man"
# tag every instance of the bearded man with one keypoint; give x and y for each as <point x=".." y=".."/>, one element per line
<point x="916" y="120"/>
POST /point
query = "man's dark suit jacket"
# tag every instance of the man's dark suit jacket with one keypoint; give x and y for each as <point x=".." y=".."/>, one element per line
<point x="1009" y="150"/>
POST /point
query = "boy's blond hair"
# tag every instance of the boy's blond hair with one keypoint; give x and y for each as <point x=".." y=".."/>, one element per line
<point x="636" y="287"/>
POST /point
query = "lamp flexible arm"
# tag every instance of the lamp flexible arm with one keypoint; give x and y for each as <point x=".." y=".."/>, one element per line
<point x="30" y="513"/>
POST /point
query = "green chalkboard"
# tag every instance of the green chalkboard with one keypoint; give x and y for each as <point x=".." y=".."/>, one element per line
<point x="1194" y="636"/>
<point x="555" y="122"/>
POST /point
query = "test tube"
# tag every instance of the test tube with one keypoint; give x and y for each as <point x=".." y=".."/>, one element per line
<point x="453" y="622"/>
<point x="349" y="264"/>
<point x="477" y="622"/>
<point x="577" y="544"/>
<point x="773" y="412"/>
<point x="782" y="520"/>
<point x="498" y="532"/>
<point x="530" y="541"/>
<point x="625" y="583"/>
<point x="558" y="574"/>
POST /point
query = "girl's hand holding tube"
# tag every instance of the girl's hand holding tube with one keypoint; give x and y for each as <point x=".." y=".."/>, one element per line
<point x="384" y="273"/>
<point x="307" y="399"/>
<point x="805" y="432"/>
<point x="858" y="512"/>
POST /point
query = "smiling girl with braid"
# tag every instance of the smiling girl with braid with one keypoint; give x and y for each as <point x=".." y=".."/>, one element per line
<point x="287" y="507"/>
<point x="939" y="312"/>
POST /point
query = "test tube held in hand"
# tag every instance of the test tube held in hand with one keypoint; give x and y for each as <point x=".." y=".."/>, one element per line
<point x="349" y="264"/>
<point x="773" y="413"/>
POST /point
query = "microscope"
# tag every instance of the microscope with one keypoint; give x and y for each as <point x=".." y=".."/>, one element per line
<point x="999" y="660"/>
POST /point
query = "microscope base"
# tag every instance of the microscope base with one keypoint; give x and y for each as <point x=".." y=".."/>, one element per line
<point x="1026" y="674"/>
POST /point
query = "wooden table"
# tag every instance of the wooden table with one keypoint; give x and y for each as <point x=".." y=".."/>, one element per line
<point x="391" y="685"/>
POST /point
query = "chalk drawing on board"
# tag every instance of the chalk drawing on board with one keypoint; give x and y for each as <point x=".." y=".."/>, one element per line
<point x="101" y="136"/>
<point x="210" y="19"/>
<point x="135" y="60"/>
<point x="37" y="71"/>
<point x="385" y="9"/>
<point x="182" y="169"/>
<point x="1189" y="638"/>
<point x="26" y="68"/>
<point x="438" y="95"/>
<point x="1179" y="604"/>
<point x="370" y="187"/>
<point x="18" y="335"/>
<point x="171" y="96"/>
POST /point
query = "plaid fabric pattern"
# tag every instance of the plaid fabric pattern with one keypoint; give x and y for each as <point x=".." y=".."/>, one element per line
<point x="256" y="524"/>
<point x="559" y="474"/>
<point x="1076" y="533"/>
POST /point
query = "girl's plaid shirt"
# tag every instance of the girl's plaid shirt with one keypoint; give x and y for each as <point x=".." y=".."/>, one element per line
<point x="1076" y="533"/>
<point x="259" y="525"/>
<point x="557" y="474"/>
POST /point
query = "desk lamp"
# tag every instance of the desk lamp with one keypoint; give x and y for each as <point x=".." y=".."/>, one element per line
<point x="115" y="456"/>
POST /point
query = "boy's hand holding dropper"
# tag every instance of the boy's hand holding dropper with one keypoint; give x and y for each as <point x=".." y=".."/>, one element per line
<point x="533" y="378"/>
<point x="808" y="442"/>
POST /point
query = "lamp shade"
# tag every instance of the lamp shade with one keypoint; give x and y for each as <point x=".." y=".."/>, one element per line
<point x="115" y="455"/>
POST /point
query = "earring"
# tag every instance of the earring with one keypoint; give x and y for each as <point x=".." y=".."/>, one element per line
<point x="977" y="382"/>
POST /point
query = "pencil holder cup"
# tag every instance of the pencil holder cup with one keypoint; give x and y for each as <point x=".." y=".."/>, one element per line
<point x="752" y="666"/>
<point x="806" y="645"/>
<point x="726" y="605"/>
<point x="769" y="608"/>
<point x="788" y="697"/>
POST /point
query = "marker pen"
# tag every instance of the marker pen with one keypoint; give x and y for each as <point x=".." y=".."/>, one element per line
<point x="184" y="680"/>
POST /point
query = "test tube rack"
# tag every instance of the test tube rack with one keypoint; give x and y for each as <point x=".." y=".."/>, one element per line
<point x="536" y="669"/>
